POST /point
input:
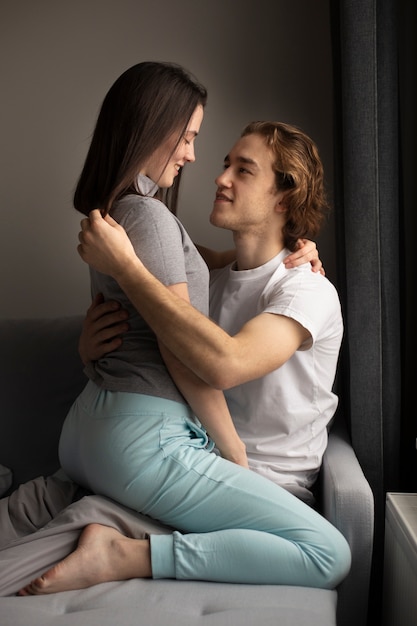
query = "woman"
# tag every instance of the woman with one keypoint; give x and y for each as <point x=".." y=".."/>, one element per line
<point x="132" y="434"/>
<point x="144" y="136"/>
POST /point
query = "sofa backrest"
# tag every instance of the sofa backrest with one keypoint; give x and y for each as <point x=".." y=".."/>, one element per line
<point x="41" y="374"/>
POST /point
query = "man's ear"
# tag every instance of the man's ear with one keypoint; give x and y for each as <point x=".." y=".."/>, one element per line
<point x="281" y="206"/>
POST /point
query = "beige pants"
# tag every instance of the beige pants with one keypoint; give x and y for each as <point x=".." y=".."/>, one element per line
<point x="40" y="524"/>
<point x="32" y="506"/>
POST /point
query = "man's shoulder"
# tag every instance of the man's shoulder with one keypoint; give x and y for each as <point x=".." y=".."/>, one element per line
<point x="300" y="285"/>
<point x="302" y="275"/>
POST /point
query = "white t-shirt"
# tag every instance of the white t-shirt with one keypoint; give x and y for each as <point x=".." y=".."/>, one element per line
<point x="283" y="417"/>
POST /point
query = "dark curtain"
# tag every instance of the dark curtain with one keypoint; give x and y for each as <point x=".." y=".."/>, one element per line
<point x="373" y="45"/>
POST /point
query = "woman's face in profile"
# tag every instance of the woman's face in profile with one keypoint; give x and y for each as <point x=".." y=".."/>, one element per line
<point x="164" y="164"/>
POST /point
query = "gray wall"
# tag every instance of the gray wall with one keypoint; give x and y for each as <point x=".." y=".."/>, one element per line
<point x="259" y="60"/>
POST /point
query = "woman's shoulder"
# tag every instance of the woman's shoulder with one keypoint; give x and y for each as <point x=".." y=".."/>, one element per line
<point x="146" y="217"/>
<point x="135" y="203"/>
<point x="135" y="211"/>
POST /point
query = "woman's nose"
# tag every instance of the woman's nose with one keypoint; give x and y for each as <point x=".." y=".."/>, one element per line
<point x="190" y="153"/>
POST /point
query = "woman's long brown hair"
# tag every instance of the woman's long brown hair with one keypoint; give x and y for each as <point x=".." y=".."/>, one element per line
<point x="147" y="104"/>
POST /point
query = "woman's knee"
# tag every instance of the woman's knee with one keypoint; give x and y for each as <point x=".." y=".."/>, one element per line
<point x="337" y="559"/>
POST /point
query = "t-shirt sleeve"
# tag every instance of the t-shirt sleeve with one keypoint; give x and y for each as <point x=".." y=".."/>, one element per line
<point x="156" y="238"/>
<point x="308" y="298"/>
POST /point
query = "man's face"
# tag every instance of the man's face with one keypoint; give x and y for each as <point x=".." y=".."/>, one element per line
<point x="246" y="197"/>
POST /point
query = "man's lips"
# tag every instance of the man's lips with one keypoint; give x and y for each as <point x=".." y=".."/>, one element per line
<point x="221" y="197"/>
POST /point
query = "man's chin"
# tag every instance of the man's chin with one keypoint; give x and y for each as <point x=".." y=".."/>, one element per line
<point x="217" y="220"/>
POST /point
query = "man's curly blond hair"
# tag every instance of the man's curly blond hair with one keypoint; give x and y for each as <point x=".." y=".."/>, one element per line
<point x="299" y="172"/>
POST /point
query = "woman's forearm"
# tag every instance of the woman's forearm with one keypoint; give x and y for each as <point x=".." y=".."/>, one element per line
<point x="210" y="406"/>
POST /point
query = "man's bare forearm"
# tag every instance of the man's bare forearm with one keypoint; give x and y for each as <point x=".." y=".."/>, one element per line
<point x="194" y="339"/>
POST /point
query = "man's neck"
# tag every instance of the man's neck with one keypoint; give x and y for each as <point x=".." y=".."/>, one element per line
<point x="253" y="252"/>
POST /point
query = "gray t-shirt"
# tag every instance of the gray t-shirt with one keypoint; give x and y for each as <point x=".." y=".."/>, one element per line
<point x="166" y="249"/>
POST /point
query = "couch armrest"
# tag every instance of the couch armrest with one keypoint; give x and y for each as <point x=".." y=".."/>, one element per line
<point x="348" y="503"/>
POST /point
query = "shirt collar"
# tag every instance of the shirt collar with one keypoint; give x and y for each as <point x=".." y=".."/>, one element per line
<point x="146" y="186"/>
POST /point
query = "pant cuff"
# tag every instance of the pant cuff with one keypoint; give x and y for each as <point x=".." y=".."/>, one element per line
<point x="162" y="556"/>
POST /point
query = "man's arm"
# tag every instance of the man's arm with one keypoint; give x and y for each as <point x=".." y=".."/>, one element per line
<point x="103" y="326"/>
<point x="222" y="361"/>
<point x="105" y="322"/>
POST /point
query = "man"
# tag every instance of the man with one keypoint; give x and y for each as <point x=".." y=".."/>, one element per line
<point x="274" y="339"/>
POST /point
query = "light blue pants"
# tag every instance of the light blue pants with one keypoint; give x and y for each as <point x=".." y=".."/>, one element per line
<point x="232" y="525"/>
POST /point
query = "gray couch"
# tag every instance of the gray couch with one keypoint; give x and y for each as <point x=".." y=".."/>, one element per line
<point x="40" y="376"/>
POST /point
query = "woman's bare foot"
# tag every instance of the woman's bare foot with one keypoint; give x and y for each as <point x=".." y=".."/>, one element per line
<point x="102" y="555"/>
